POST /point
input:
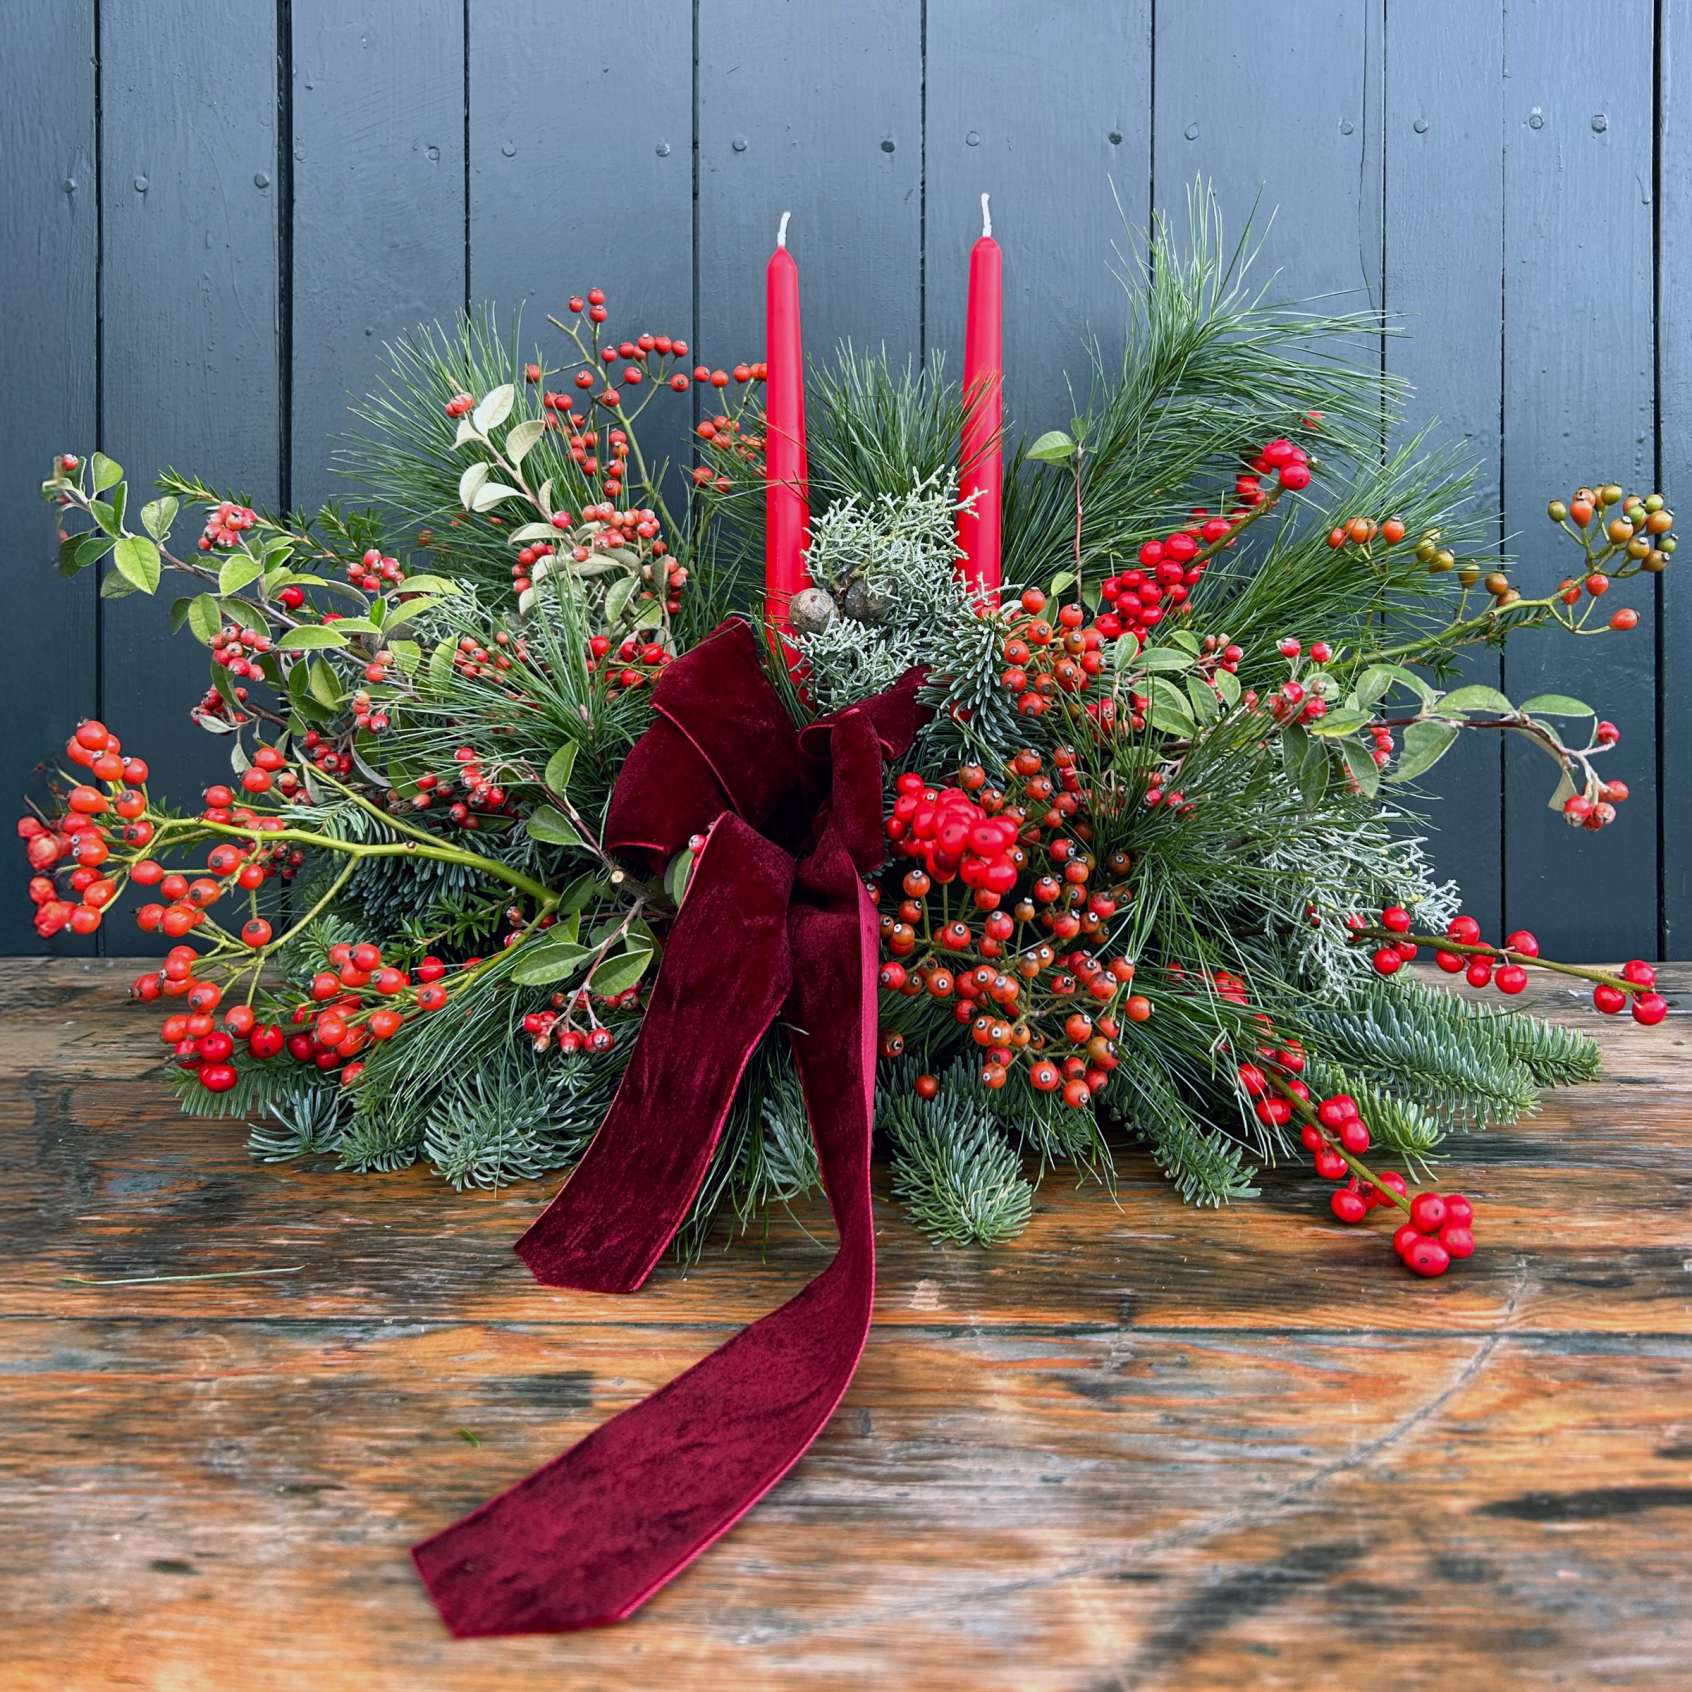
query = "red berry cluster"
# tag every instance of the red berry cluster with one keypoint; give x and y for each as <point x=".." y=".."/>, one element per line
<point x="1335" y="1135"/>
<point x="1022" y="955"/>
<point x="1043" y="663"/>
<point x="1648" y="1006"/>
<point x="225" y="524"/>
<point x="605" y="529"/>
<point x="1462" y="951"/>
<point x="635" y="662"/>
<point x="358" y="999"/>
<point x="1294" y="701"/>
<point x="374" y="570"/>
<point x="954" y="837"/>
<point x="1361" y="531"/>
<point x="1139" y="599"/>
<point x="1440" y="1229"/>
<point x="238" y="650"/>
<point x="570" y="1022"/>
<point x="1598" y="810"/>
<point x="78" y="844"/>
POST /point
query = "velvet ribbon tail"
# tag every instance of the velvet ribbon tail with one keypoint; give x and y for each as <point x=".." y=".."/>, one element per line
<point x="587" y="1538"/>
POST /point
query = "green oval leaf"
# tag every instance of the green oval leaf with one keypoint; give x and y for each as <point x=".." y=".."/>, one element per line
<point x="205" y="618"/>
<point x="675" y="876"/>
<point x="1053" y="447"/>
<point x="552" y="826"/>
<point x="429" y="584"/>
<point x="559" y="766"/>
<point x="1361" y="767"/>
<point x="618" y="974"/>
<point x="237" y="571"/>
<point x="1425" y="743"/>
<point x="551" y="958"/>
<point x="157" y="515"/>
<point x="1557" y="705"/>
<point x="440" y="665"/>
<point x="1474" y="698"/>
<point x="311" y="638"/>
<point x="1340" y="722"/>
<point x="1163" y="658"/>
<point x="137" y="561"/>
<point x="324" y="684"/>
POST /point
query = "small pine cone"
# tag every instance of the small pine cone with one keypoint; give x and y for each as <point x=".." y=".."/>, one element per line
<point x="811" y="611"/>
<point x="866" y="603"/>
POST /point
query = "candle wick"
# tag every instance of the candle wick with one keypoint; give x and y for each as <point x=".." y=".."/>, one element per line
<point x="986" y="219"/>
<point x="781" y="229"/>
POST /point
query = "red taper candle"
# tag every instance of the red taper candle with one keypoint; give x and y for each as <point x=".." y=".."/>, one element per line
<point x="787" y="507"/>
<point x="980" y="461"/>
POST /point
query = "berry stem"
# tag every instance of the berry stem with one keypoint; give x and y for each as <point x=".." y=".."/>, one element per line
<point x="1480" y="949"/>
<point x="372" y="849"/>
<point x="1356" y="1165"/>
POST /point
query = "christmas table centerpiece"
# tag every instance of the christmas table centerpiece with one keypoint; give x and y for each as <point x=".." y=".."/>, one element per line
<point x="683" y="826"/>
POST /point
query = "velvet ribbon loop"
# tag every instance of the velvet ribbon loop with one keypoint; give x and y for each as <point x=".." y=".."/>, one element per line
<point x="776" y="923"/>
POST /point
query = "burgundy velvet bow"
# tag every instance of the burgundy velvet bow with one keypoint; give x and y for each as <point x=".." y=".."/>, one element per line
<point x="776" y="923"/>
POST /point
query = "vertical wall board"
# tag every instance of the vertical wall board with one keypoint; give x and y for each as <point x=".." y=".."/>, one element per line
<point x="1578" y="375"/>
<point x="1291" y="107"/>
<point x="1444" y="270"/>
<point x="1017" y="112"/>
<point x="585" y="179"/>
<point x="378" y="206"/>
<point x="49" y="235"/>
<point x="1674" y="431"/>
<point x="815" y="110"/>
<point x="189" y="289"/>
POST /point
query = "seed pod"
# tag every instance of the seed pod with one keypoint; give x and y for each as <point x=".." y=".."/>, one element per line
<point x="864" y="602"/>
<point x="811" y="610"/>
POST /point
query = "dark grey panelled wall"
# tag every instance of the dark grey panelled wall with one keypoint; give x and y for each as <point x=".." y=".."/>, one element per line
<point x="212" y="212"/>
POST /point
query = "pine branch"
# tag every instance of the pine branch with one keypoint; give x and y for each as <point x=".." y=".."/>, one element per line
<point x="954" y="1170"/>
<point x="1205" y="1165"/>
<point x="1458" y="1066"/>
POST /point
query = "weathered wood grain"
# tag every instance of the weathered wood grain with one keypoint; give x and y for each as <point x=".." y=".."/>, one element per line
<point x="1444" y="269"/>
<point x="1144" y="1447"/>
<point x="125" y="1187"/>
<point x="207" y="1503"/>
<point x="1578" y="350"/>
<point x="49" y="223"/>
<point x="376" y="96"/>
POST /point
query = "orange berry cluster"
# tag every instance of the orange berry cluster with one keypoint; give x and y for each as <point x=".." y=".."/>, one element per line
<point x="1043" y="662"/>
<point x="723" y="435"/>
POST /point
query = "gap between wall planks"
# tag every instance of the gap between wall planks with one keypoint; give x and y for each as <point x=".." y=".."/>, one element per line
<point x="204" y="260"/>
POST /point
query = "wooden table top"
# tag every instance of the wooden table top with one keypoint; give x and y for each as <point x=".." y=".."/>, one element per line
<point x="1145" y="1446"/>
